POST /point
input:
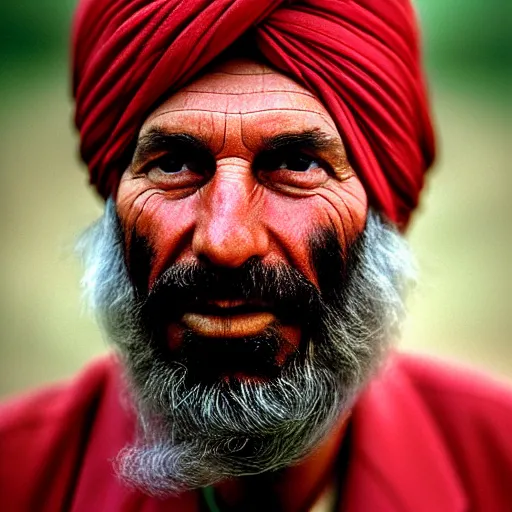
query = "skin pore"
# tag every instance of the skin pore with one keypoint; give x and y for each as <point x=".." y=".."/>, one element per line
<point x="242" y="163"/>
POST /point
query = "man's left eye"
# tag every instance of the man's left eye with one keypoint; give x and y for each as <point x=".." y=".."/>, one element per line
<point x="291" y="170"/>
<point x="286" y="161"/>
<point x="298" y="163"/>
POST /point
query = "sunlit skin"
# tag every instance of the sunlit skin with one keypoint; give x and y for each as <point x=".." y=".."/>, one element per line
<point x="236" y="204"/>
<point x="234" y="211"/>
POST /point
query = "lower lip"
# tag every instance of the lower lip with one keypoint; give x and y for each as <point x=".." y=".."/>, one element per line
<point x="236" y="326"/>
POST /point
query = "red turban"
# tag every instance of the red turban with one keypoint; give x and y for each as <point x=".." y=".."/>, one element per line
<point x="360" y="57"/>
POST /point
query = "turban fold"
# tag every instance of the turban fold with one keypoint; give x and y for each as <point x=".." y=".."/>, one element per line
<point x="360" y="57"/>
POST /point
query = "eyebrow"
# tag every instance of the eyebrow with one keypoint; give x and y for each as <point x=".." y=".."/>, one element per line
<point x="308" y="139"/>
<point x="158" y="141"/>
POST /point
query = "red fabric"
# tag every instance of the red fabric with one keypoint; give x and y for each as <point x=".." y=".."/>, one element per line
<point x="360" y="57"/>
<point x="424" y="437"/>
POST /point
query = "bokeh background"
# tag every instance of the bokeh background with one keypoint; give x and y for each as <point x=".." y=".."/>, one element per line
<point x="461" y="235"/>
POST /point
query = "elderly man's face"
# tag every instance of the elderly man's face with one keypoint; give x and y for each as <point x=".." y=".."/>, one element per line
<point x="242" y="164"/>
<point x="247" y="287"/>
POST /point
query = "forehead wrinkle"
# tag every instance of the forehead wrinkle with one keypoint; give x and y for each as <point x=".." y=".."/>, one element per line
<point x="279" y="94"/>
<point x="242" y="137"/>
<point x="225" y="133"/>
<point x="195" y="126"/>
<point x="247" y="112"/>
<point x="212" y="129"/>
<point x="240" y="99"/>
<point x="242" y="134"/>
<point x="242" y="84"/>
<point x="232" y="138"/>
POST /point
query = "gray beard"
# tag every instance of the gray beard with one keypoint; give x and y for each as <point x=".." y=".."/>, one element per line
<point x="192" y="435"/>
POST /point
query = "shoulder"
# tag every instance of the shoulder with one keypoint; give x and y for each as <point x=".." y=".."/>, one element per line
<point x="472" y="415"/>
<point x="428" y="435"/>
<point x="459" y="392"/>
<point x="40" y="408"/>
<point x="43" y="432"/>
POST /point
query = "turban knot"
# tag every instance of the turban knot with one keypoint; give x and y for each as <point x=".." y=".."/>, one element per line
<point x="360" y="57"/>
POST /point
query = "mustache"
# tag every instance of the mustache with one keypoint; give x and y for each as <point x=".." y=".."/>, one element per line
<point x="193" y="286"/>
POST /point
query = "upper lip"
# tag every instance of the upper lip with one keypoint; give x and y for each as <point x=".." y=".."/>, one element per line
<point x="229" y="307"/>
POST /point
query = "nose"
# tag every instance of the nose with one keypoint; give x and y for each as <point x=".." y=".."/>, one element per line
<point x="229" y="229"/>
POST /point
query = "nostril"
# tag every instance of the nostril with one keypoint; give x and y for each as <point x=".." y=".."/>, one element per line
<point x="229" y="249"/>
<point x="207" y="262"/>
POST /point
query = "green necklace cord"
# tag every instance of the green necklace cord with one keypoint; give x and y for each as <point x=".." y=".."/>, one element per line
<point x="209" y="498"/>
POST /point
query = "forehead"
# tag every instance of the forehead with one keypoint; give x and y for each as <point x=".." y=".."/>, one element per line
<point x="248" y="93"/>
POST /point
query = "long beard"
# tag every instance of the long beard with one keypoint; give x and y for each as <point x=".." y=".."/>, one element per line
<point x="195" y="432"/>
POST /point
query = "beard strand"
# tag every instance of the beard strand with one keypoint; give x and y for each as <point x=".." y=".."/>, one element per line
<point x="193" y="434"/>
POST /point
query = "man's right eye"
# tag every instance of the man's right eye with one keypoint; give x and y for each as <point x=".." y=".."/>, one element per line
<point x="176" y="171"/>
<point x="171" y="164"/>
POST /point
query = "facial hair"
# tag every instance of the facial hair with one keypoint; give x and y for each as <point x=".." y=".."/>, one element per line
<point x="193" y="432"/>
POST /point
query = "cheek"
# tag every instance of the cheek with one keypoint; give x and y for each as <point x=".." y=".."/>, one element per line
<point x="292" y="221"/>
<point x="344" y="205"/>
<point x="166" y="225"/>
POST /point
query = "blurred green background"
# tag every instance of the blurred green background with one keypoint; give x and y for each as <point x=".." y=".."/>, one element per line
<point x="461" y="234"/>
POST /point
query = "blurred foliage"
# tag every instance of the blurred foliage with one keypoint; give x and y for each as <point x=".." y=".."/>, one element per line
<point x="460" y="34"/>
<point x="31" y="30"/>
<point x="468" y="39"/>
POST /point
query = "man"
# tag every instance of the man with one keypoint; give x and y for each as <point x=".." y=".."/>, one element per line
<point x="256" y="159"/>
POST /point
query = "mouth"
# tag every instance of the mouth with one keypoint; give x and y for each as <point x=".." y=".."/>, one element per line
<point x="229" y="318"/>
<point x="239" y="338"/>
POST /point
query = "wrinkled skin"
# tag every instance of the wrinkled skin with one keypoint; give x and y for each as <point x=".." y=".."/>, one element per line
<point x="224" y="208"/>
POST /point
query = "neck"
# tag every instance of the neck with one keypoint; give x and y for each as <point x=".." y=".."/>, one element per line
<point x="294" y="489"/>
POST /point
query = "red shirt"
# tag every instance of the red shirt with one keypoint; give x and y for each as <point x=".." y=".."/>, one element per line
<point x="424" y="437"/>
